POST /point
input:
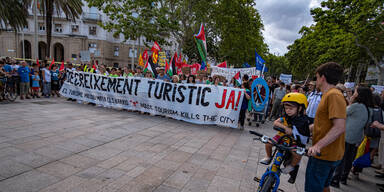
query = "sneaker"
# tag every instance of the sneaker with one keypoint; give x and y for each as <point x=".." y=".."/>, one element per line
<point x="266" y="161"/>
<point x="287" y="169"/>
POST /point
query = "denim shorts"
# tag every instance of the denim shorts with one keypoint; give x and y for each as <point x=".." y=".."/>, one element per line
<point x="319" y="174"/>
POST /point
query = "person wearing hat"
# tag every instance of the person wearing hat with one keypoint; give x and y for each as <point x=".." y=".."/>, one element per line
<point x="161" y="74"/>
<point x="314" y="98"/>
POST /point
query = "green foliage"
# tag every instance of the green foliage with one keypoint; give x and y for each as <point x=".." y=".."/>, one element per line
<point x="276" y="64"/>
<point x="232" y="27"/>
<point x="348" y="32"/>
<point x="8" y="8"/>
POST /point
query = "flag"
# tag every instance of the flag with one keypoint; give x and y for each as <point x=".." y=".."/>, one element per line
<point x="150" y="67"/>
<point x="53" y="62"/>
<point x="141" y="62"/>
<point x="179" y="62"/>
<point x="62" y="66"/>
<point x="203" y="66"/>
<point x="238" y="79"/>
<point x="172" y="66"/>
<point x="154" y="57"/>
<point x="259" y="61"/>
<point x="145" y="56"/>
<point x="223" y="64"/>
<point x="246" y="65"/>
<point x="201" y="43"/>
<point x="37" y="63"/>
<point x="167" y="67"/>
<point x="94" y="66"/>
<point x="155" y="47"/>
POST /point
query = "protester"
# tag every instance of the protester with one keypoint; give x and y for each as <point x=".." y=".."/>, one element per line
<point x="295" y="123"/>
<point x="244" y="105"/>
<point x="328" y="131"/>
<point x="357" y="118"/>
<point x="138" y="72"/>
<point x="35" y="84"/>
<point x="55" y="86"/>
<point x="377" y="115"/>
<point x="191" y="79"/>
<point x="314" y="98"/>
<point x="46" y="74"/>
<point x="276" y="100"/>
<point x="175" y="79"/>
<point x="24" y="73"/>
<point x="161" y="74"/>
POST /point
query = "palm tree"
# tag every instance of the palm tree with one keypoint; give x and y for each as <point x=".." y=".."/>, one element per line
<point x="71" y="8"/>
<point x="13" y="13"/>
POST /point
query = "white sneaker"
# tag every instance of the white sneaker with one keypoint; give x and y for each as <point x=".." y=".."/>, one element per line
<point x="266" y="161"/>
<point x="287" y="169"/>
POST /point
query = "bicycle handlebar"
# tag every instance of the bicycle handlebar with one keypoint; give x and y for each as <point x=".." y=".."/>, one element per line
<point x="265" y="139"/>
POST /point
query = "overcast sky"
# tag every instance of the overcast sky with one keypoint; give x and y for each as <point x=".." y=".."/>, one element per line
<point x="282" y="21"/>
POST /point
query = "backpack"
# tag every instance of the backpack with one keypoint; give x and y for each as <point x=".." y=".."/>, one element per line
<point x="376" y="116"/>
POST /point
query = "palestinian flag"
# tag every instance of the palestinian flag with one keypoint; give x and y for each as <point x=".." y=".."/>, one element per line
<point x="150" y="67"/>
<point x="172" y="66"/>
<point x="238" y="79"/>
<point x="201" y="43"/>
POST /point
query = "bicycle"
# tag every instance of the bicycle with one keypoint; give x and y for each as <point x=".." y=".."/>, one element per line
<point x="271" y="178"/>
<point x="8" y="91"/>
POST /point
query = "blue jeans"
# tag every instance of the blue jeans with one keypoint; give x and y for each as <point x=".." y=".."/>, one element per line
<point x="319" y="174"/>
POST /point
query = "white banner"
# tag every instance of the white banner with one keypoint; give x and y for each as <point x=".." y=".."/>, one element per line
<point x="229" y="73"/>
<point x="195" y="103"/>
<point x="378" y="88"/>
<point x="287" y="79"/>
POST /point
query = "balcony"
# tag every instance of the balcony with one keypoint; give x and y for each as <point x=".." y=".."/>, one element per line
<point x="91" y="16"/>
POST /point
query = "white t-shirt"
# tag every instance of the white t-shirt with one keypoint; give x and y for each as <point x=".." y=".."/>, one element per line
<point x="47" y="75"/>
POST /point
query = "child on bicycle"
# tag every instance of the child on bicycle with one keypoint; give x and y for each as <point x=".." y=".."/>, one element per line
<point x="296" y="124"/>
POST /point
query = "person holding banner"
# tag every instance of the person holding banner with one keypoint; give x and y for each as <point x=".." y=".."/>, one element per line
<point x="244" y="105"/>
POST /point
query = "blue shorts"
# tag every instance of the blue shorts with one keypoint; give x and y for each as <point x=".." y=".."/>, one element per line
<point x="319" y="174"/>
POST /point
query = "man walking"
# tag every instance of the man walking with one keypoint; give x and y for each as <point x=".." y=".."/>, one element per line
<point x="328" y="130"/>
<point x="276" y="100"/>
<point x="24" y="73"/>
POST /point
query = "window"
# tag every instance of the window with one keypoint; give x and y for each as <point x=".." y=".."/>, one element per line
<point x="116" y="52"/>
<point x="116" y="65"/>
<point x="26" y="27"/>
<point x="92" y="45"/>
<point x="41" y="27"/>
<point x="75" y="28"/>
<point x="92" y="30"/>
<point x="58" y="28"/>
<point x="132" y="52"/>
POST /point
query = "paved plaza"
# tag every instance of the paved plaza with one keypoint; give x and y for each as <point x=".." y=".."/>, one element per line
<point x="56" y="145"/>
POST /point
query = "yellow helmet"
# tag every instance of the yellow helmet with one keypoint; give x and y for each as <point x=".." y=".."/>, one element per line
<point x="299" y="98"/>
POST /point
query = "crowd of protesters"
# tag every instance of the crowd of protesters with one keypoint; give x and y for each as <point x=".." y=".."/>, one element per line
<point x="341" y="116"/>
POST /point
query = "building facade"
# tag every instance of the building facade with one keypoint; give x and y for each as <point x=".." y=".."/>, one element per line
<point x="72" y="40"/>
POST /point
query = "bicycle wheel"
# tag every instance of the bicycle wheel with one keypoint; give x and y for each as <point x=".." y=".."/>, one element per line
<point x="10" y="95"/>
<point x="269" y="181"/>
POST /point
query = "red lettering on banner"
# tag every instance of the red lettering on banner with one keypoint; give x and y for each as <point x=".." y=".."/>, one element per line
<point x="238" y="100"/>
<point x="231" y="100"/>
<point x="222" y="101"/>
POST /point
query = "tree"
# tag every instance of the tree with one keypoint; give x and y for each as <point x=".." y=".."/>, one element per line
<point x="224" y="22"/>
<point x="13" y="13"/>
<point x="349" y="32"/>
<point x="72" y="9"/>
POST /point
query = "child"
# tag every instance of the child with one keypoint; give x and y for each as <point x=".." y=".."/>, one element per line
<point x="55" y="87"/>
<point x="295" y="123"/>
<point x="35" y="84"/>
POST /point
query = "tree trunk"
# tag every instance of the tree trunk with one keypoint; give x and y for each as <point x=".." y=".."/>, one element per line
<point x="370" y="54"/>
<point x="48" y="19"/>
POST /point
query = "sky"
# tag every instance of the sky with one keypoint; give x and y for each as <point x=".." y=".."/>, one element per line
<point x="282" y="21"/>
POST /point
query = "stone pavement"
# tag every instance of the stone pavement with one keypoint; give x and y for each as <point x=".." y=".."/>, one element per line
<point x="56" y="145"/>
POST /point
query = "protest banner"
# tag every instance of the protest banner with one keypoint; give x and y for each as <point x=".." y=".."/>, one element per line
<point x="195" y="103"/>
<point x="378" y="88"/>
<point x="229" y="73"/>
<point x="287" y="79"/>
<point x="349" y="85"/>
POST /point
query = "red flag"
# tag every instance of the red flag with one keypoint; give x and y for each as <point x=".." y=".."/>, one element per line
<point x="155" y="48"/>
<point x="62" y="66"/>
<point x="166" y="66"/>
<point x="37" y="62"/>
<point x="53" y="62"/>
<point x="145" y="56"/>
<point x="223" y="64"/>
<point x="93" y="65"/>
